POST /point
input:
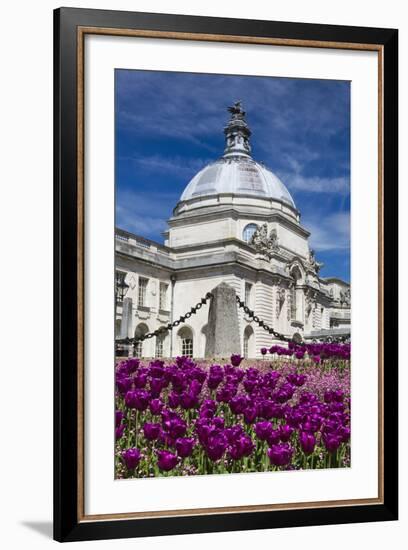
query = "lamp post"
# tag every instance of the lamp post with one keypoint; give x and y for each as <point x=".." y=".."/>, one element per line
<point x="121" y="289"/>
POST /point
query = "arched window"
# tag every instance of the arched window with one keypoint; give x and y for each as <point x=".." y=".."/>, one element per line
<point x="141" y="330"/>
<point x="249" y="230"/>
<point x="160" y="344"/>
<point x="186" y="341"/>
<point x="249" y="342"/>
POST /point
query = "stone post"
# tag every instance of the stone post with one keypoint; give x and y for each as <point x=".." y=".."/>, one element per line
<point x="223" y="328"/>
<point x="126" y="322"/>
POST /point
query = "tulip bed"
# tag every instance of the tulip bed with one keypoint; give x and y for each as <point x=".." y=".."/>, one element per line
<point x="289" y="412"/>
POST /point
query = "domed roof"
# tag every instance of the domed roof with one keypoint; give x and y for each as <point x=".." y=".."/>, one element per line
<point x="236" y="172"/>
<point x="238" y="176"/>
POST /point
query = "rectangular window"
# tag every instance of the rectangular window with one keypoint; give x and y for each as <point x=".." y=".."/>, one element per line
<point x="142" y="294"/>
<point x="163" y="296"/>
<point x="248" y="294"/>
<point x="159" y="346"/>
<point x="187" y="347"/>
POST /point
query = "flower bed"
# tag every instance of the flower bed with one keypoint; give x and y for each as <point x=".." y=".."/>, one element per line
<point x="185" y="418"/>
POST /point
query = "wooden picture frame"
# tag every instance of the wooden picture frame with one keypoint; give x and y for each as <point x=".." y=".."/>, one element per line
<point x="70" y="28"/>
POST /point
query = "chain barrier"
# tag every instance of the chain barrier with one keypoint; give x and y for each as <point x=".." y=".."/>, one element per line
<point x="246" y="309"/>
<point x="282" y="337"/>
<point x="169" y="326"/>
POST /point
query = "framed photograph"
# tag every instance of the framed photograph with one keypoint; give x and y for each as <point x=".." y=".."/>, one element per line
<point x="225" y="274"/>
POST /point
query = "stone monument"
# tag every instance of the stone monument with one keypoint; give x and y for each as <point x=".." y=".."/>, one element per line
<point x="223" y="329"/>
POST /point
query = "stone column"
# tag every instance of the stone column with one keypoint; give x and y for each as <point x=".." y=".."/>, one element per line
<point x="126" y="322"/>
<point x="223" y="328"/>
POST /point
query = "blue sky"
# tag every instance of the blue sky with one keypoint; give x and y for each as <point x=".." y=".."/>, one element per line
<point x="169" y="125"/>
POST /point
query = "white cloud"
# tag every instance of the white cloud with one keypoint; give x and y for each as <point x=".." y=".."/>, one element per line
<point x="315" y="184"/>
<point x="331" y="232"/>
<point x="184" y="168"/>
<point x="144" y="213"/>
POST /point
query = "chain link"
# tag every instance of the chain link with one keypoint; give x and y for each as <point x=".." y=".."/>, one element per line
<point x="169" y="326"/>
<point x="246" y="309"/>
<point x="278" y="335"/>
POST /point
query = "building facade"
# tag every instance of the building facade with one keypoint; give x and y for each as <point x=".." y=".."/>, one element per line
<point x="234" y="223"/>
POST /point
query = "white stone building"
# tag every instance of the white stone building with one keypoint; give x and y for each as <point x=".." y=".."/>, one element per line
<point x="236" y="223"/>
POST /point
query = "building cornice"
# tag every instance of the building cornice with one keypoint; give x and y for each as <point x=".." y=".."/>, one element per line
<point x="211" y="213"/>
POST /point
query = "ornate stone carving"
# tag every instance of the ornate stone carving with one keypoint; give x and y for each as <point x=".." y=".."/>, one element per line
<point x="289" y="299"/>
<point x="280" y="295"/>
<point x="132" y="282"/>
<point x="310" y="304"/>
<point x="263" y="243"/>
<point x="313" y="263"/>
<point x="345" y="297"/>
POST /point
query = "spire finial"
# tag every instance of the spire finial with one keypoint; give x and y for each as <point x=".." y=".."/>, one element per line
<point x="237" y="133"/>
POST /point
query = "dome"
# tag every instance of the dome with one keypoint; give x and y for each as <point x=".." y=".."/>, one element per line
<point x="237" y="176"/>
<point x="236" y="172"/>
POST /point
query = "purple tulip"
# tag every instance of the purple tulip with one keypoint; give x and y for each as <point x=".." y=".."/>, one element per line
<point x="173" y="400"/>
<point x="176" y="427"/>
<point x="345" y="433"/>
<point x="137" y="399"/>
<point x="296" y="379"/>
<point x="331" y="442"/>
<point x="307" y="442"/>
<point x="273" y="437"/>
<point x="215" y="377"/>
<point x="233" y="433"/>
<point x="132" y="364"/>
<point x="195" y="387"/>
<point x="119" y="416"/>
<point x="250" y="385"/>
<point x="280" y="455"/>
<point x="140" y="380"/>
<point x="156" y="385"/>
<point x="156" y="369"/>
<point x="184" y="446"/>
<point x="226" y="393"/>
<point x="119" y="431"/>
<point x="264" y="351"/>
<point x="236" y="360"/>
<point x="338" y="396"/>
<point x="250" y="414"/>
<point x="269" y="409"/>
<point x="156" y="406"/>
<point x="188" y="400"/>
<point x="237" y="404"/>
<point x="242" y="446"/>
<point x="216" y="446"/>
<point x="123" y="384"/>
<point x="285" y="432"/>
<point x="131" y="458"/>
<point x="263" y="430"/>
<point x="151" y="431"/>
<point x="166" y="460"/>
